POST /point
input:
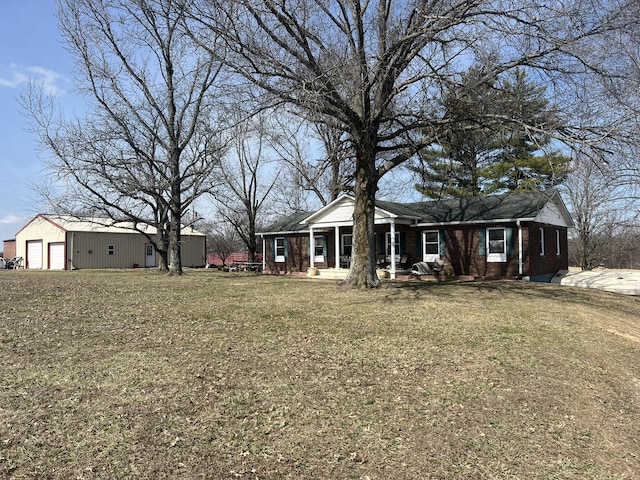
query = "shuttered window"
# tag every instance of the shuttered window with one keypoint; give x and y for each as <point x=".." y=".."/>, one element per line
<point x="496" y="244"/>
<point x="280" y="249"/>
<point x="431" y="246"/>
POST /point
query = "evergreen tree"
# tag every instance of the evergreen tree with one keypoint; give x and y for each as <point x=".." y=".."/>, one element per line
<point x="487" y="148"/>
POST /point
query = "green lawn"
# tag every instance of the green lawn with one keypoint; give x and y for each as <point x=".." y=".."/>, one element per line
<point x="109" y="374"/>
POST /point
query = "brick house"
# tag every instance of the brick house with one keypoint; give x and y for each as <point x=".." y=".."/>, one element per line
<point x="508" y="236"/>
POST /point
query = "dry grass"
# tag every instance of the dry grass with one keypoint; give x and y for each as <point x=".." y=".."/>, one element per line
<point x="133" y="374"/>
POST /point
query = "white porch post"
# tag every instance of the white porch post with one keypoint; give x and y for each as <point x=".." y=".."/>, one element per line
<point x="264" y="253"/>
<point x="312" y="247"/>
<point x="336" y="242"/>
<point x="393" y="249"/>
<point x="520" y="245"/>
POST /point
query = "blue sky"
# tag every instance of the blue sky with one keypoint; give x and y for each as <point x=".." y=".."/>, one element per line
<point x="30" y="48"/>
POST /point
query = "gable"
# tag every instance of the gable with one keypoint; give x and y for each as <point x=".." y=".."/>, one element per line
<point x="340" y="213"/>
<point x="552" y="215"/>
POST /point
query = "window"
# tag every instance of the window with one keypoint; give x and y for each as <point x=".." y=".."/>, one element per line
<point x="319" y="249"/>
<point x="496" y="241"/>
<point x="280" y="249"/>
<point x="111" y="249"/>
<point x="347" y="244"/>
<point x="397" y="243"/>
<point x="431" y="246"/>
<point x="541" y="242"/>
<point x="558" y="242"/>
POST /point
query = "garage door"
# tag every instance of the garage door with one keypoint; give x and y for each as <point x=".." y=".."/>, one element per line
<point x="34" y="254"/>
<point x="56" y="256"/>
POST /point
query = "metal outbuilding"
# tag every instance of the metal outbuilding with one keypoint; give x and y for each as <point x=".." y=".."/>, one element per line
<point x="65" y="242"/>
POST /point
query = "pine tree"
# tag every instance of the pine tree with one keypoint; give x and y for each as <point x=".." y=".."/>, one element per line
<point x="487" y="150"/>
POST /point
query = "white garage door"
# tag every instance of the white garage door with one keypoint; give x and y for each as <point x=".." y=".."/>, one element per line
<point x="34" y="254"/>
<point x="56" y="256"/>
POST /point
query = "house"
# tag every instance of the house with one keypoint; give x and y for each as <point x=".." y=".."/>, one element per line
<point x="518" y="235"/>
<point x="65" y="242"/>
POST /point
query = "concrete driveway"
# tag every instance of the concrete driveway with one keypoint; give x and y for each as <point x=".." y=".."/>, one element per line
<point x="618" y="281"/>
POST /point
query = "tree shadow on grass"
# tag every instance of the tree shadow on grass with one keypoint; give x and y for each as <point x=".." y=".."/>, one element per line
<point x="541" y="291"/>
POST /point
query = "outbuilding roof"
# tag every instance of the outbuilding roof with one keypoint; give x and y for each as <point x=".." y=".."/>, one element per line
<point x="72" y="223"/>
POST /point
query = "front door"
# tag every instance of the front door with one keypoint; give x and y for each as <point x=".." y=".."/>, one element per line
<point x="150" y="255"/>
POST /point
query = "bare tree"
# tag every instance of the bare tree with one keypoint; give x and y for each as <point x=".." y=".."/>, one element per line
<point x="591" y="195"/>
<point x="222" y="240"/>
<point x="246" y="179"/>
<point x="317" y="160"/>
<point x="148" y="146"/>
<point x="374" y="68"/>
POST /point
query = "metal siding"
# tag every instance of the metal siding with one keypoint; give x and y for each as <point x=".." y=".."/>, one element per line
<point x="91" y="250"/>
<point x="129" y="248"/>
<point x="193" y="251"/>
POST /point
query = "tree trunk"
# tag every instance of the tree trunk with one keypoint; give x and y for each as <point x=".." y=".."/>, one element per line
<point x="175" y="257"/>
<point x="363" y="264"/>
<point x="175" y="221"/>
<point x="162" y="250"/>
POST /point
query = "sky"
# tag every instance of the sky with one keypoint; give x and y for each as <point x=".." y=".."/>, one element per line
<point x="31" y="49"/>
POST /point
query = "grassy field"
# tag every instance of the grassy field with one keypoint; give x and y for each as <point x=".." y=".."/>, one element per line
<point x="109" y="374"/>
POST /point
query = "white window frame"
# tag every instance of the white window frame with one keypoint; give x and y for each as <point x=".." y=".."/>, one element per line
<point x="542" y="246"/>
<point x="388" y="244"/>
<point x="318" y="241"/>
<point x="430" y="257"/>
<point x="276" y="247"/>
<point x="498" y="257"/>
<point x="343" y="244"/>
<point x="558" y="253"/>
<point x="111" y="249"/>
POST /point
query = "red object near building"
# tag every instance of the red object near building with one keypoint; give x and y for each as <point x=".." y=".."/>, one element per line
<point x="235" y="258"/>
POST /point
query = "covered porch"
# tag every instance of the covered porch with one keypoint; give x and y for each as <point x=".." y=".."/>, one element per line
<point x="334" y="223"/>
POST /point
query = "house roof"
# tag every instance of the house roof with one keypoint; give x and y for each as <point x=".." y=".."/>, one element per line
<point x="514" y="206"/>
<point x="72" y="223"/>
<point x="290" y="224"/>
<point x="529" y="206"/>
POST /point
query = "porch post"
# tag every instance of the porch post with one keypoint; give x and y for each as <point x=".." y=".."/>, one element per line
<point x="264" y="253"/>
<point x="393" y="249"/>
<point x="336" y="243"/>
<point x="312" y="247"/>
<point x="520" y="253"/>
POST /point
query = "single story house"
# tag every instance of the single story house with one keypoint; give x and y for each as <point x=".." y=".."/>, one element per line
<point x="518" y="235"/>
<point x="65" y="242"/>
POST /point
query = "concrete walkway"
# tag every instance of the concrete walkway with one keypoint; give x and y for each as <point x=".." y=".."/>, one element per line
<point x="618" y="281"/>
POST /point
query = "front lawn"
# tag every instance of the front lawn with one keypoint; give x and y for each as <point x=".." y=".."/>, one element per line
<point x="131" y="374"/>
